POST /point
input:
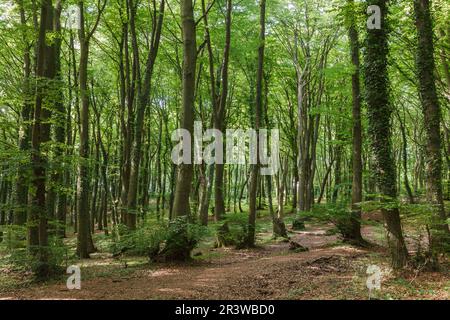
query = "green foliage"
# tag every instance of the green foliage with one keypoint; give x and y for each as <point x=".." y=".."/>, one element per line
<point x="386" y="203"/>
<point x="159" y="240"/>
<point x="182" y="237"/>
<point x="232" y="231"/>
<point x="142" y="241"/>
<point x="428" y="228"/>
<point x="14" y="236"/>
<point x="338" y="214"/>
<point x="19" y="257"/>
<point x="298" y="223"/>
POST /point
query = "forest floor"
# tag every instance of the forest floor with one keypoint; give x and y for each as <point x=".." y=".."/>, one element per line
<point x="329" y="270"/>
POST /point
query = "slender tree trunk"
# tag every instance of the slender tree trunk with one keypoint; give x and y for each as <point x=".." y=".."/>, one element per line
<point x="83" y="168"/>
<point x="85" y="245"/>
<point x="3" y="199"/>
<point x="405" y="159"/>
<point x="355" y="227"/>
<point x="60" y="130"/>
<point x="21" y="201"/>
<point x="254" y="173"/>
<point x="158" y="169"/>
<point x="143" y="100"/>
<point x="219" y="119"/>
<point x="209" y="177"/>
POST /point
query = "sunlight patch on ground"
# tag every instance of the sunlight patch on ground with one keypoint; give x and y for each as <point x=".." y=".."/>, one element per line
<point x="161" y="272"/>
<point x="172" y="290"/>
<point x="346" y="248"/>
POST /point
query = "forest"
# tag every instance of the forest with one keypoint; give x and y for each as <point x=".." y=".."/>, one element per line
<point x="225" y="149"/>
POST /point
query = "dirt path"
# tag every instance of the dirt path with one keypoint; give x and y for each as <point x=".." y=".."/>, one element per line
<point x="270" y="272"/>
<point x="326" y="271"/>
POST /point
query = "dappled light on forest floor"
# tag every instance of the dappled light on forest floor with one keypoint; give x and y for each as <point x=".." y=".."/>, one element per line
<point x="246" y="149"/>
<point x="268" y="272"/>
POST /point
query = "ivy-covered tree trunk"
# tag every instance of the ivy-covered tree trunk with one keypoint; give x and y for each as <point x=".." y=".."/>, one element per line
<point x="379" y="110"/>
<point x="431" y="112"/>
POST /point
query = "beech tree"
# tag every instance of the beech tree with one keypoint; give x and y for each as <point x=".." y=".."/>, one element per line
<point x="181" y="206"/>
<point x="431" y="112"/>
<point x="92" y="91"/>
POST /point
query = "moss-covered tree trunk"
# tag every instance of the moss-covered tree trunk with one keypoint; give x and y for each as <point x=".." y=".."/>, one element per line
<point x="379" y="112"/>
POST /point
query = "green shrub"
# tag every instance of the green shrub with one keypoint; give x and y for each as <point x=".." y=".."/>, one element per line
<point x="21" y="258"/>
<point x="174" y="240"/>
<point x="336" y="213"/>
<point x="428" y="225"/>
<point x="181" y="238"/>
<point x="141" y="241"/>
<point x="298" y="224"/>
<point x="14" y="236"/>
<point x="232" y="231"/>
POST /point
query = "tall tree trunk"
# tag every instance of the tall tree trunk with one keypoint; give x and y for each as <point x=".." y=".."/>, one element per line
<point x="85" y="245"/>
<point x="219" y="117"/>
<point x="405" y="159"/>
<point x="181" y="205"/>
<point x="250" y="241"/>
<point x="338" y="164"/>
<point x="83" y="168"/>
<point x="355" y="227"/>
<point x="45" y="72"/>
<point x="21" y="201"/>
<point x="432" y="114"/>
<point x="3" y="204"/>
<point x="143" y="100"/>
<point x="158" y="169"/>
<point x="57" y="178"/>
<point x="208" y="178"/>
<point x="379" y="114"/>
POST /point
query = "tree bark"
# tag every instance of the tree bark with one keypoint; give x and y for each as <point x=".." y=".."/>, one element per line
<point x="21" y="201"/>
<point x="431" y="112"/>
<point x="355" y="228"/>
<point x="85" y="245"/>
<point x="253" y="188"/>
<point x="219" y="117"/>
<point x="181" y="206"/>
<point x="379" y="114"/>
<point x="143" y="100"/>
<point x="45" y="72"/>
